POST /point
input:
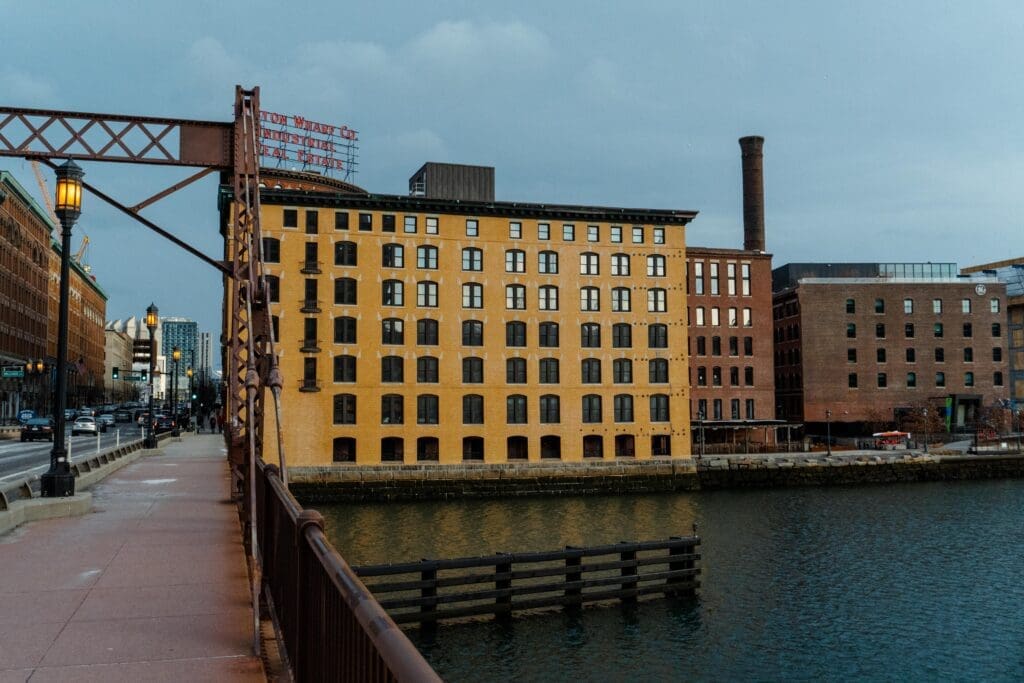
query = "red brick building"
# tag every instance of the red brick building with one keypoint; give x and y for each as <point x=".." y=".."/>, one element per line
<point x="729" y="309"/>
<point x="877" y="344"/>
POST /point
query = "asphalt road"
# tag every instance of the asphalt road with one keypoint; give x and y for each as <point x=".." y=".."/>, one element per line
<point x="19" y="459"/>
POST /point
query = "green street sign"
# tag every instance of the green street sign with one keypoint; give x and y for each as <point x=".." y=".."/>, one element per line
<point x="132" y="378"/>
<point x="13" y="371"/>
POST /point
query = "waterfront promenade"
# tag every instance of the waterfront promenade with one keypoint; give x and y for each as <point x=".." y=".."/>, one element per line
<point x="149" y="585"/>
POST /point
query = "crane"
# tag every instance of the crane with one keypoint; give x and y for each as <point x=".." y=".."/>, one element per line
<point x="48" y="201"/>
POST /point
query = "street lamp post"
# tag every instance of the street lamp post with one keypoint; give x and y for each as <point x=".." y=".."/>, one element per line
<point x="58" y="481"/>
<point x="828" y="430"/>
<point x="191" y="407"/>
<point x="176" y="355"/>
<point x="151" y="320"/>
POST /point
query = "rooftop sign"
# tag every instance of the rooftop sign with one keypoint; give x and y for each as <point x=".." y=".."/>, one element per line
<point x="287" y="140"/>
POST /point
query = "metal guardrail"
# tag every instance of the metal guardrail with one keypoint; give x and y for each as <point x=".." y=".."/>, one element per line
<point x="331" y="627"/>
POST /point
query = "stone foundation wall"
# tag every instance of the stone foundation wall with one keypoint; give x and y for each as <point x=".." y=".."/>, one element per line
<point x="430" y="482"/>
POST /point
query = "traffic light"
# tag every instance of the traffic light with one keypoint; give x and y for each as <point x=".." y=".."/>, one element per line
<point x="145" y="375"/>
<point x="117" y="372"/>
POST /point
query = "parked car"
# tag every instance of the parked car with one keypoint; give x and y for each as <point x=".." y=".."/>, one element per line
<point x="106" y="420"/>
<point x="86" y="411"/>
<point x="86" y="425"/>
<point x="37" y="428"/>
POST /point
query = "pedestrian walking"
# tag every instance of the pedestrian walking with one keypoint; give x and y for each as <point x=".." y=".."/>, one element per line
<point x="213" y="424"/>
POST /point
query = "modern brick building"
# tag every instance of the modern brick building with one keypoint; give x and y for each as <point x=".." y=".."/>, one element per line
<point x="878" y="343"/>
<point x="1011" y="273"/>
<point x="420" y="328"/>
<point x="729" y="314"/>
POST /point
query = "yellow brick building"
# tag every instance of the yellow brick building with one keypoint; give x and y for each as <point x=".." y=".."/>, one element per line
<point x="413" y="329"/>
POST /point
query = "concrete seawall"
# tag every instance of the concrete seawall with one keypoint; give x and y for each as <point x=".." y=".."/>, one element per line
<point x="432" y="482"/>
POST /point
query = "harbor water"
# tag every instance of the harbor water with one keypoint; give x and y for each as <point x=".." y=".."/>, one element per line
<point x="899" y="582"/>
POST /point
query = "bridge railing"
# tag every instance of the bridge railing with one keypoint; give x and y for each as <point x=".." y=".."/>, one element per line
<point x="331" y="626"/>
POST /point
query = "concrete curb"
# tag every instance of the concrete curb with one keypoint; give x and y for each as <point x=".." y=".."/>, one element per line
<point x="21" y="511"/>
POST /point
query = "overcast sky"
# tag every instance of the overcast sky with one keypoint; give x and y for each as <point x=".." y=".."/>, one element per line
<point x="893" y="129"/>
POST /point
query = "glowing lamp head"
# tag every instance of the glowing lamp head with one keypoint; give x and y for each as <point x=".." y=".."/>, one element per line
<point x="68" y="204"/>
<point x="176" y="354"/>
<point x="152" y="316"/>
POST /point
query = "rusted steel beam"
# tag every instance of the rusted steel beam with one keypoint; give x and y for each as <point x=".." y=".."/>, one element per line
<point x="49" y="133"/>
<point x="172" y="189"/>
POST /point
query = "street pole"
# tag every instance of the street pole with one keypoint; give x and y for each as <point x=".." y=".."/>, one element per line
<point x="58" y="481"/>
<point x="828" y="430"/>
<point x="926" y="430"/>
<point x="151" y="321"/>
<point x="174" y="393"/>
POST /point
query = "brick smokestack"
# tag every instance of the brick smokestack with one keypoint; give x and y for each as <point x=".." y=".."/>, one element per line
<point x="753" y="192"/>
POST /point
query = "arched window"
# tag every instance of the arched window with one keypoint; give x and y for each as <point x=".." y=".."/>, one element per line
<point x="473" y="409"/>
<point x="426" y="294"/>
<point x="392" y="331"/>
<point x="472" y="333"/>
<point x="392" y="449"/>
<point x="473" y="448"/>
<point x="472" y="259"/>
<point x="515" y="409"/>
<point x="344" y="368"/>
<point x="426" y="257"/>
<point x="657" y="336"/>
<point x="622" y="371"/>
<point x="550" y="409"/>
<point x="591" y="371"/>
<point x="659" y="408"/>
<point x="515" y="261"/>
<point x="550" y="447"/>
<point x="515" y="333"/>
<point x="427" y="449"/>
<point x="392" y="409"/>
<point x="658" y="371"/>
<point x="548" y="337"/>
<point x="547" y="263"/>
<point x="426" y="409"/>
<point x="548" y="298"/>
<point x="344" y="449"/>
<point x="426" y="370"/>
<point x="661" y="444"/>
<point x="622" y="336"/>
<point x="273" y="289"/>
<point x="472" y="295"/>
<point x="593" y="446"/>
<point x="393" y="256"/>
<point x="621" y="299"/>
<point x="657" y="300"/>
<point x="623" y="408"/>
<point x="472" y="370"/>
<point x="549" y="371"/>
<point x="515" y="297"/>
<point x="515" y="371"/>
<point x="589" y="264"/>
<point x="590" y="335"/>
<point x="620" y="264"/>
<point x="392" y="369"/>
<point x="344" y="330"/>
<point x="344" y="253"/>
<point x="591" y="408"/>
<point x="345" y="291"/>
<point x="625" y="446"/>
<point x="394" y="293"/>
<point x="426" y="332"/>
<point x="517" y="448"/>
<point x="344" y="409"/>
<point x="590" y="299"/>
<point x="656" y="266"/>
<point x="271" y="250"/>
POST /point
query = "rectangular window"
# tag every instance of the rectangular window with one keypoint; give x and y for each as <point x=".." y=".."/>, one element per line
<point x="472" y="227"/>
<point x="659" y="235"/>
<point x="851" y="355"/>
<point x="431" y="226"/>
<point x="733" y="317"/>
<point x="748" y="346"/>
<point x="851" y="330"/>
<point x="908" y="330"/>
<point x="616" y="234"/>
<point x="543" y="231"/>
<point x="880" y="355"/>
<point x="965" y="305"/>
<point x="940" y="355"/>
<point x="699" y="316"/>
<point x="290" y="218"/>
<point x="312" y="221"/>
<point x="911" y="380"/>
<point x="715" y="318"/>
<point x="366" y="222"/>
<point x="908" y="306"/>
<point x="515" y="230"/>
<point x="879" y="305"/>
<point x="880" y="331"/>
<point x="968" y="330"/>
<point x="593" y="233"/>
<point x="341" y="220"/>
<point x="638" y="234"/>
<point x="748" y="317"/>
<point x="714" y="279"/>
<point x="911" y="356"/>
<point x="993" y="305"/>
<point x="851" y="306"/>
<point x="568" y="232"/>
<point x="937" y="306"/>
<point x="410" y="224"/>
<point x="745" y="276"/>
<point x="851" y="380"/>
<point x="968" y="354"/>
<point x="938" y="329"/>
<point x="882" y="380"/>
<point x="698" y="277"/>
<point x="997" y="354"/>
<point x="387" y="222"/>
<point x="730" y="279"/>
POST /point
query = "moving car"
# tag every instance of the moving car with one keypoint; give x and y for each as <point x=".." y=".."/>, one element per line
<point x="106" y="420"/>
<point x="86" y="425"/>
<point x="37" y="428"/>
<point x="122" y="416"/>
<point x="164" y="423"/>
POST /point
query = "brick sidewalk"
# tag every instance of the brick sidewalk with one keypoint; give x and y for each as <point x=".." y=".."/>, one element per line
<point x="151" y="585"/>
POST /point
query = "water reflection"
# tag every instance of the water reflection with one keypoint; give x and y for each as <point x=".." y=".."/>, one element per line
<point x="910" y="582"/>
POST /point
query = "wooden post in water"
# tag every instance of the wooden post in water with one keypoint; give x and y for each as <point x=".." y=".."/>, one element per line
<point x="627" y="556"/>
<point x="503" y="603"/>
<point x="573" y="573"/>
